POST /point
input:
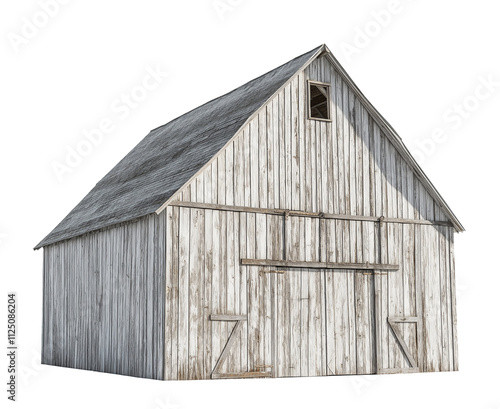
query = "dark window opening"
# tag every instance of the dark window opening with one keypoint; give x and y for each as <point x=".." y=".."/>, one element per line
<point x="318" y="101"/>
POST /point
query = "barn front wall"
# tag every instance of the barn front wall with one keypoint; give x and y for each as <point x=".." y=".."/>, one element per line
<point x="288" y="321"/>
<point x="290" y="188"/>
<point x="104" y="297"/>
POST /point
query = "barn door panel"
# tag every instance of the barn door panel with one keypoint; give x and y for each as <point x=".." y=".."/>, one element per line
<point x="299" y="322"/>
<point x="350" y="327"/>
<point x="396" y="336"/>
<point x="397" y="325"/>
<point x="398" y="345"/>
<point x="260" y="320"/>
<point x="234" y="337"/>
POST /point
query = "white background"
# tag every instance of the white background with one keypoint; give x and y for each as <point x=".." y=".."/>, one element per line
<point x="427" y="59"/>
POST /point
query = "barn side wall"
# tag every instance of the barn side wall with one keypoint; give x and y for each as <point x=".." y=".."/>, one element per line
<point x="104" y="297"/>
<point x="346" y="166"/>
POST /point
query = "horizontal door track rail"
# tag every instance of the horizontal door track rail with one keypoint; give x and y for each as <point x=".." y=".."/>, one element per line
<point x="317" y="264"/>
<point x="298" y="213"/>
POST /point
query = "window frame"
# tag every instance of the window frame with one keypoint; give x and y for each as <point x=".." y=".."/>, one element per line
<point x="328" y="102"/>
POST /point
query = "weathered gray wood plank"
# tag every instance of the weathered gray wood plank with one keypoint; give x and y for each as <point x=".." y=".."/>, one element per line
<point x="453" y="302"/>
<point x="184" y="301"/>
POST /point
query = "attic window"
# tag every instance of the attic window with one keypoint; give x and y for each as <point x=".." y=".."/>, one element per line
<point x="319" y="97"/>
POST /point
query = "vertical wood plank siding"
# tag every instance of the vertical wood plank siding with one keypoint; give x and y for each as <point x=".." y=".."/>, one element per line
<point x="308" y="322"/>
<point x="104" y="300"/>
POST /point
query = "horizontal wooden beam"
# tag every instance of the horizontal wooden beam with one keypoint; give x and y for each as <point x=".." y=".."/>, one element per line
<point x="223" y="317"/>
<point x="386" y="371"/>
<point x="402" y="319"/>
<point x="210" y="206"/>
<point x="237" y="375"/>
<point x="317" y="264"/>
<point x="273" y="271"/>
<point x="416" y="221"/>
<point x="299" y="213"/>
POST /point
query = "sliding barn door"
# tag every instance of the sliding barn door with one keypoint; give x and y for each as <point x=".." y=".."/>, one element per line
<point x="325" y="323"/>
<point x="300" y="342"/>
<point x="313" y="322"/>
<point x="350" y="322"/>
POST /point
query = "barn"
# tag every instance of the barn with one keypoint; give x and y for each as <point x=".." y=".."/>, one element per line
<point x="280" y="230"/>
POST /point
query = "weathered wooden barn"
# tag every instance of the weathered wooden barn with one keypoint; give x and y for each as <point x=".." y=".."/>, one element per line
<point x="280" y="230"/>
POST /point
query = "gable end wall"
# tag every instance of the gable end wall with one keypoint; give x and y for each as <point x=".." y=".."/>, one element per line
<point x="282" y="160"/>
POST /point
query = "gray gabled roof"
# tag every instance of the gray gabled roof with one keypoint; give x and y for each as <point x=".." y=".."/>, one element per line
<point x="169" y="156"/>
